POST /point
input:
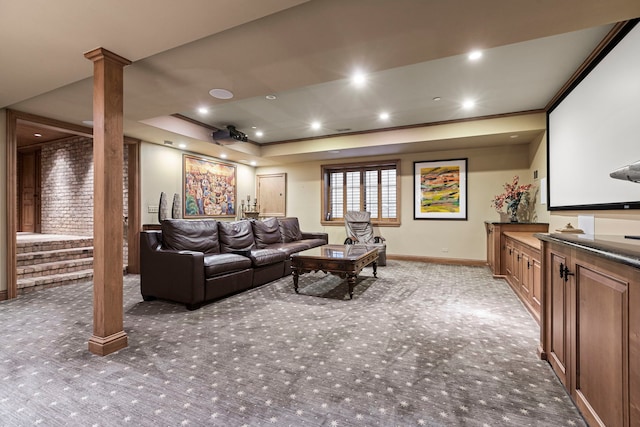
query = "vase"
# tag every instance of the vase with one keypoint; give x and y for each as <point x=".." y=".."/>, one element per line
<point x="513" y="213"/>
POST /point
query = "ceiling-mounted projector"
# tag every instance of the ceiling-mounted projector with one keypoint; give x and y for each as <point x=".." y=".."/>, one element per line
<point x="228" y="136"/>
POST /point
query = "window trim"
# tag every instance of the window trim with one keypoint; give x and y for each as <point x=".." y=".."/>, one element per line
<point x="326" y="171"/>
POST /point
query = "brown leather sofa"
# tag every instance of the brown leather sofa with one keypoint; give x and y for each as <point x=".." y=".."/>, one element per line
<point x="195" y="261"/>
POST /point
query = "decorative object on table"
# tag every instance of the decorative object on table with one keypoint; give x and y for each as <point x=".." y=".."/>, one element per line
<point x="248" y="212"/>
<point x="209" y="188"/>
<point x="162" y="207"/>
<point x="513" y="195"/>
<point x="569" y="229"/>
<point x="176" y="210"/>
<point x="440" y="189"/>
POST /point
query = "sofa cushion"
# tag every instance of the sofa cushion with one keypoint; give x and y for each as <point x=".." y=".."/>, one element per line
<point x="266" y="232"/>
<point x="183" y="235"/>
<point x="262" y="257"/>
<point x="236" y="236"/>
<point x="217" y="264"/>
<point x="312" y="243"/>
<point x="289" y="229"/>
<point x="290" y="248"/>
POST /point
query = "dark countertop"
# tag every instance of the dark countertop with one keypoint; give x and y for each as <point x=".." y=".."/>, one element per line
<point x="508" y="222"/>
<point x="615" y="248"/>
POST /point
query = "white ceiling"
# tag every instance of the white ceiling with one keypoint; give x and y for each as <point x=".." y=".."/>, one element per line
<point x="303" y="52"/>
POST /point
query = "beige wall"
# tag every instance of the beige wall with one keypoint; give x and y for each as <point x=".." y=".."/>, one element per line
<point x="161" y="170"/>
<point x="3" y="201"/>
<point x="538" y="162"/>
<point x="488" y="169"/>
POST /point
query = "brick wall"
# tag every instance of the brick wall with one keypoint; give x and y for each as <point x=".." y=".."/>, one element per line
<point x="67" y="187"/>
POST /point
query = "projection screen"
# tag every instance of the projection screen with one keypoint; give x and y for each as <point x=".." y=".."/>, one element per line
<point x="595" y="129"/>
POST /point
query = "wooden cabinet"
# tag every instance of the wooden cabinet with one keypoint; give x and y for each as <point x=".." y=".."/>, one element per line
<point x="590" y="330"/>
<point x="496" y="241"/>
<point x="522" y="269"/>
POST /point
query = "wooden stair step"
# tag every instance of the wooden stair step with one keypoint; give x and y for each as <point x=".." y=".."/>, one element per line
<point x="34" y="283"/>
<point x="30" y="258"/>
<point x="39" y="246"/>
<point x="56" y="267"/>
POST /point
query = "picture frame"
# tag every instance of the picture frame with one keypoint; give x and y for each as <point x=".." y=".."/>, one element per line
<point x="440" y="189"/>
<point x="209" y="188"/>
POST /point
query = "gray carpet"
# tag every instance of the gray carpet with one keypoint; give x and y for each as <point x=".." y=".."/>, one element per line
<point x="421" y="345"/>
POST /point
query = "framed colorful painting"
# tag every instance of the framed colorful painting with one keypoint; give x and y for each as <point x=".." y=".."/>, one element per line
<point x="209" y="188"/>
<point x="440" y="189"/>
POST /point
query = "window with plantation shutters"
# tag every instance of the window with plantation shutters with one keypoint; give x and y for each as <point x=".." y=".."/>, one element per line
<point x="364" y="186"/>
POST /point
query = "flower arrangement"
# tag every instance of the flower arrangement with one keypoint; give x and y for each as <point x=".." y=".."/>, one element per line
<point x="511" y="197"/>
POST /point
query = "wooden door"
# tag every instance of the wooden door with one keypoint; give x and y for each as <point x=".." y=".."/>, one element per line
<point x="272" y="194"/>
<point x="29" y="191"/>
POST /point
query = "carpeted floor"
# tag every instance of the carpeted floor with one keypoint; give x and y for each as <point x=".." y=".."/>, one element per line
<point x="421" y="345"/>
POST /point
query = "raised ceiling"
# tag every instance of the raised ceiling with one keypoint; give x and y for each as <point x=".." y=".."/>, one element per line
<point x="303" y="52"/>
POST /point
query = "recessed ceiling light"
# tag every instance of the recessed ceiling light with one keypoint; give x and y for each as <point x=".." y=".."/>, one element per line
<point x="475" y="55"/>
<point x="384" y="116"/>
<point x="88" y="122"/>
<point x="358" y="78"/>
<point x="259" y="133"/>
<point x="37" y="135"/>
<point x="182" y="145"/>
<point x="221" y="93"/>
<point x="253" y="163"/>
<point x="436" y="98"/>
<point x="271" y="97"/>
<point x="223" y="156"/>
<point x="468" y="104"/>
<point x="203" y="110"/>
<point x="333" y="151"/>
<point x="316" y="125"/>
<point x="514" y="136"/>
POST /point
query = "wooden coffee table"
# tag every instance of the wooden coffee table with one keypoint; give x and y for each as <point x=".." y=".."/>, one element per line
<point x="339" y="260"/>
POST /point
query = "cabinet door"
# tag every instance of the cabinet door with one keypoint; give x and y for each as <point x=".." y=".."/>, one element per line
<point x="559" y="318"/>
<point x="601" y="344"/>
<point x="508" y="247"/>
<point x="516" y="267"/>
<point x="491" y="244"/>
<point x="535" y="279"/>
<point x="272" y="194"/>
<point x="525" y="276"/>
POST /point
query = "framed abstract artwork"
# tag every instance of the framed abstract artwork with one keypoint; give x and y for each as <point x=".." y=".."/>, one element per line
<point x="440" y="189"/>
<point x="209" y="188"/>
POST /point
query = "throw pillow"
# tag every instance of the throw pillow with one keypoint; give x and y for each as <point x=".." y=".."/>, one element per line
<point x="183" y="235"/>
<point x="266" y="232"/>
<point x="289" y="229"/>
<point x="236" y="236"/>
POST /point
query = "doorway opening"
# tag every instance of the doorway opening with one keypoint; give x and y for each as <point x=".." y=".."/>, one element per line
<point x="52" y="224"/>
